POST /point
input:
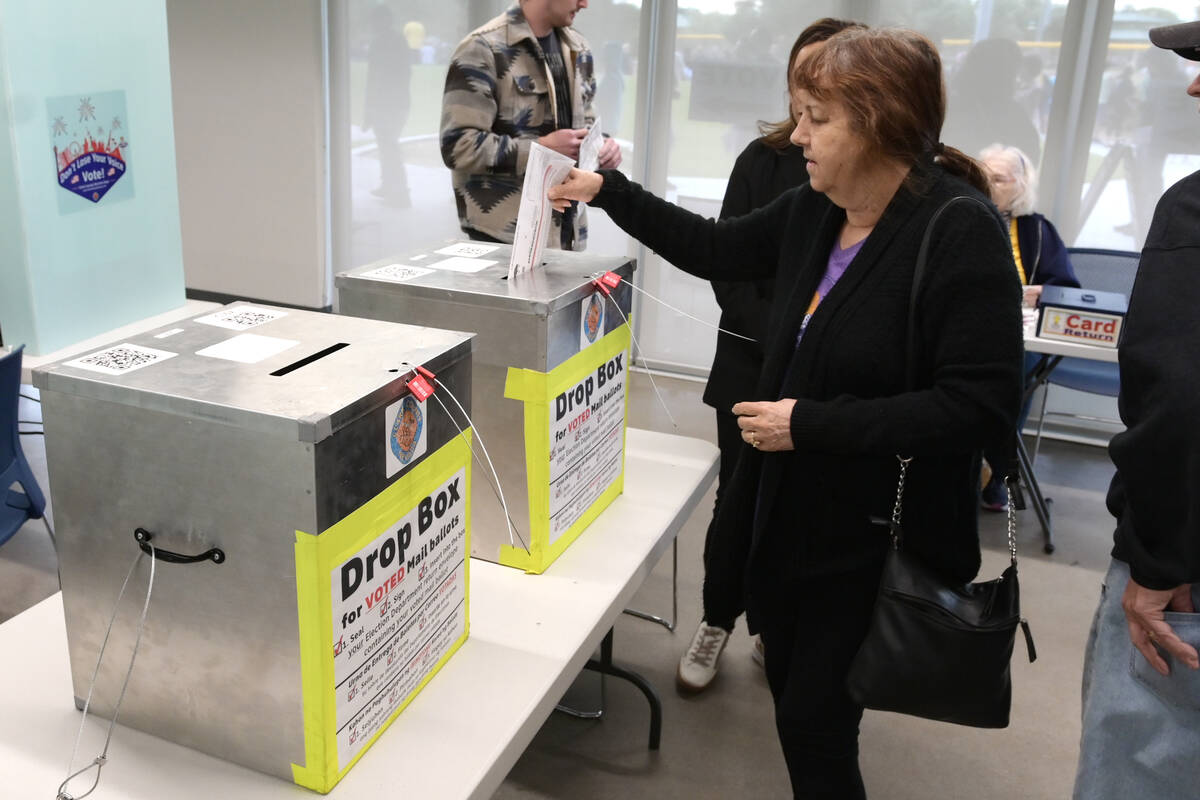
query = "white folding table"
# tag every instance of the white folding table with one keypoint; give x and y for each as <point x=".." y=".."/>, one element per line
<point x="530" y="637"/>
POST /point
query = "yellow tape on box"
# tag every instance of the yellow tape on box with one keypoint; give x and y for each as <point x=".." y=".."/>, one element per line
<point x="382" y="600"/>
<point x="575" y="421"/>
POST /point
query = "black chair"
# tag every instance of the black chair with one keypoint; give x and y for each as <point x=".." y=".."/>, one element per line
<point x="1106" y="271"/>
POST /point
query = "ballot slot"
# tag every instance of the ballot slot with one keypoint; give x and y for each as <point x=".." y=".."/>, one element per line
<point x="304" y="362"/>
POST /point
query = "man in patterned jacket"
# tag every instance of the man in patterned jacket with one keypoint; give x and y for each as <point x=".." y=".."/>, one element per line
<point x="524" y="77"/>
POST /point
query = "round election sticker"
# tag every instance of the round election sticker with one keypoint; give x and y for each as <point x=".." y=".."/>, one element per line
<point x="406" y="430"/>
<point x="593" y="319"/>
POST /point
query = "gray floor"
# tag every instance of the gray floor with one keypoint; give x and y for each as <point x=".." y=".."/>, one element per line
<point x="722" y="743"/>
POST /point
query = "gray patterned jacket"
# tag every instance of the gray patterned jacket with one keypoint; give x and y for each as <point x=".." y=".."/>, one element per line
<point x="499" y="98"/>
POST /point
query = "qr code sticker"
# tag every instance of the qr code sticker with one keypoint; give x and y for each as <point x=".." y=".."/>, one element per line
<point x="120" y="359"/>
<point x="242" y="317"/>
<point x="468" y="249"/>
<point x="397" y="272"/>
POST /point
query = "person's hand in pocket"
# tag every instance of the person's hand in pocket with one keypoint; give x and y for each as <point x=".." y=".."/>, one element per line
<point x="1147" y="627"/>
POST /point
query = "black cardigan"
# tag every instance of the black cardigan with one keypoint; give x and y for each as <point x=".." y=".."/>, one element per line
<point x="760" y="174"/>
<point x="808" y="511"/>
<point x="1154" y="492"/>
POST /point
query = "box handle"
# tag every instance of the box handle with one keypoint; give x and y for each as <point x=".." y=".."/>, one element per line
<point x="143" y="537"/>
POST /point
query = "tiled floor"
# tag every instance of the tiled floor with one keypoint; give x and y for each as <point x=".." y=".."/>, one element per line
<point x="722" y="743"/>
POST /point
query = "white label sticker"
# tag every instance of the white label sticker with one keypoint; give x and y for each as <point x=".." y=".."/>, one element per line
<point x="247" y="348"/>
<point x="406" y="433"/>
<point x="397" y="272"/>
<point x="460" y="264"/>
<point x="468" y="249"/>
<point x="242" y="317"/>
<point x="1085" y="327"/>
<point x="120" y="359"/>
<point x="166" y="334"/>
<point x="591" y="319"/>
<point x="587" y="439"/>
<point x="399" y="605"/>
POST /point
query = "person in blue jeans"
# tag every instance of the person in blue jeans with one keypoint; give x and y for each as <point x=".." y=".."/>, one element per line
<point x="1141" y="676"/>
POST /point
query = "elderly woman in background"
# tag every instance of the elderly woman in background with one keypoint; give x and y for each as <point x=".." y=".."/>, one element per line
<point x="833" y="407"/>
<point x="1040" y="256"/>
<point x="1039" y="251"/>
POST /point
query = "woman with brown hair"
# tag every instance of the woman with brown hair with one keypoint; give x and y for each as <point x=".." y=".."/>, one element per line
<point x="769" y="166"/>
<point x="833" y="406"/>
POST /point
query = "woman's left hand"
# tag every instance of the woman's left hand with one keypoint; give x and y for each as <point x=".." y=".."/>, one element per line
<point x="766" y="425"/>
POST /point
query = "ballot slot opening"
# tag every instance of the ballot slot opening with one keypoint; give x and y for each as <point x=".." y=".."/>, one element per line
<point x="295" y="365"/>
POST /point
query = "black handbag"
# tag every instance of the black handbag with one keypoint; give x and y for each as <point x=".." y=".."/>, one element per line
<point x="935" y="649"/>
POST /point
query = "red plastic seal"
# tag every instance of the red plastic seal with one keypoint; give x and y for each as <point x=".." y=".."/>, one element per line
<point x="421" y="388"/>
<point x="429" y="375"/>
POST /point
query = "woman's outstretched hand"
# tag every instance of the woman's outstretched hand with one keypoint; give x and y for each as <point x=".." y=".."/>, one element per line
<point x="579" y="185"/>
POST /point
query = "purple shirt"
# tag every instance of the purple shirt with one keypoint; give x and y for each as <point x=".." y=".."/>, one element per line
<point x="839" y="260"/>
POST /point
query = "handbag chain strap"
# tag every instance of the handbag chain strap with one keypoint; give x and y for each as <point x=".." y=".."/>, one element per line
<point x="910" y="375"/>
<point x="898" y="510"/>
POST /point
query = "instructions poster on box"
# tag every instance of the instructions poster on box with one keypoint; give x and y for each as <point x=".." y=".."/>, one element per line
<point x="587" y="425"/>
<point x="399" y="605"/>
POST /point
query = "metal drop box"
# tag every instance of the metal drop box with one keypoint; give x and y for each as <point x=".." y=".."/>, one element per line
<point x="1085" y="316"/>
<point x="291" y="441"/>
<point x="550" y="377"/>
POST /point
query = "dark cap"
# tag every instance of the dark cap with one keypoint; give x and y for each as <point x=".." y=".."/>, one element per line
<point x="1183" y="38"/>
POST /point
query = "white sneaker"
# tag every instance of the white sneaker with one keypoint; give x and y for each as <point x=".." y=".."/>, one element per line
<point x="698" y="666"/>
<point x="757" y="652"/>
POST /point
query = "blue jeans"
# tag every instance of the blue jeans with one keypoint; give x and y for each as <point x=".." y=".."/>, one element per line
<point x="1141" y="731"/>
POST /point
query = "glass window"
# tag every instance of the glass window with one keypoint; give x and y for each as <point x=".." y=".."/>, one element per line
<point x="1000" y="61"/>
<point x="399" y="52"/>
<point x="1146" y="132"/>
<point x="1000" y="58"/>
<point x="730" y="74"/>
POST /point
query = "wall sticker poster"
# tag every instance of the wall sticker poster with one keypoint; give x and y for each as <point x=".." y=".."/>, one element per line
<point x="89" y="134"/>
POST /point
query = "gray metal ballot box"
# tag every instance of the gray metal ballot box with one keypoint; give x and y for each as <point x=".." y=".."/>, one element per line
<point x="329" y="502"/>
<point x="550" y="372"/>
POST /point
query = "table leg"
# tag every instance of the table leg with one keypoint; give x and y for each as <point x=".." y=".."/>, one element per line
<point x="605" y="666"/>
<point x="669" y="624"/>
<point x="1035" y="378"/>
<point x="1040" y="507"/>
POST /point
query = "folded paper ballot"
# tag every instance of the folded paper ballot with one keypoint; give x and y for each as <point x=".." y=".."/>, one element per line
<point x="589" y="148"/>
<point x="544" y="169"/>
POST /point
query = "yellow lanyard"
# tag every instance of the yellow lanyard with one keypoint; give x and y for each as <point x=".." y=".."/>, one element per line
<point x="1016" y="248"/>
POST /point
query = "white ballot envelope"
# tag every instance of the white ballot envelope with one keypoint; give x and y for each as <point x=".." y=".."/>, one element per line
<point x="589" y="148"/>
<point x="545" y="168"/>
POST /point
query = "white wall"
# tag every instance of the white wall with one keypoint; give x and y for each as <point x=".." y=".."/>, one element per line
<point x="247" y="80"/>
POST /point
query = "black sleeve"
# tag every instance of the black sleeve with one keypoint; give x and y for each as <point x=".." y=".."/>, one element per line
<point x="743" y="248"/>
<point x="969" y="328"/>
<point x="1154" y="493"/>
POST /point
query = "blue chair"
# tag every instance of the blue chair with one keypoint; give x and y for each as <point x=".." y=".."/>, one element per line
<point x="17" y="507"/>
<point x="1106" y="271"/>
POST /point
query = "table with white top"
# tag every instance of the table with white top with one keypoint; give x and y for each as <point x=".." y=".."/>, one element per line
<point x="530" y="636"/>
<point x="1052" y="351"/>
